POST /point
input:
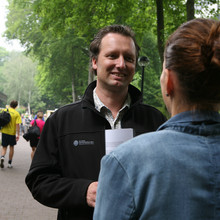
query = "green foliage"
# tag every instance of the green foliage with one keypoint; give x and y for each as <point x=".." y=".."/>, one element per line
<point x="87" y="17"/>
<point x="175" y="15"/>
<point x="207" y="8"/>
<point x="21" y="110"/>
<point x="62" y="58"/>
<point x="152" y="93"/>
<point x="57" y="34"/>
<point x="65" y="67"/>
<point x="18" y="72"/>
<point x="3" y="58"/>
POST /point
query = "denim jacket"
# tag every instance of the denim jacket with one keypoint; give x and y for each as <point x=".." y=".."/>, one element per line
<point x="171" y="174"/>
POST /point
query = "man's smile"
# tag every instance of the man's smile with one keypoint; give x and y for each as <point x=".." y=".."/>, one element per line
<point x="119" y="74"/>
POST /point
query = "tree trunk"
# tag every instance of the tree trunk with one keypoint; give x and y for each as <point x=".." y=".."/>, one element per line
<point x="73" y="91"/>
<point x="29" y="101"/>
<point x="160" y="28"/>
<point x="29" y="109"/>
<point x="19" y="99"/>
<point x="190" y="10"/>
<point x="73" y="76"/>
<point x="90" y="77"/>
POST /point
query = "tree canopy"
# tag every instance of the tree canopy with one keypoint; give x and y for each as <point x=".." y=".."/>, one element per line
<point x="57" y="35"/>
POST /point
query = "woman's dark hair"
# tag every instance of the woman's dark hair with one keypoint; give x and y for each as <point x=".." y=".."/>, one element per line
<point x="13" y="103"/>
<point x="96" y="42"/>
<point x="193" y="52"/>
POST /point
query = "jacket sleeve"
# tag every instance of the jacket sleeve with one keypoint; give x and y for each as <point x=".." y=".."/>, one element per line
<point x="115" y="198"/>
<point x="45" y="179"/>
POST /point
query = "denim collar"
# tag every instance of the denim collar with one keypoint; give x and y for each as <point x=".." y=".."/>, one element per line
<point x="194" y="122"/>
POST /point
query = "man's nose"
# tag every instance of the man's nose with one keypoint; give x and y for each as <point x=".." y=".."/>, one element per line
<point x="120" y="62"/>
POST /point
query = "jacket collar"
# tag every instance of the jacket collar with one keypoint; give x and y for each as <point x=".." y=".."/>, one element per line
<point x="135" y="94"/>
<point x="194" y="122"/>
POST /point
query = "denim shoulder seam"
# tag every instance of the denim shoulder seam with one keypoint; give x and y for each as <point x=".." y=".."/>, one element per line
<point x="132" y="214"/>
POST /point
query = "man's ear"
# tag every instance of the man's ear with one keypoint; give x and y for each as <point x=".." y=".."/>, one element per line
<point x="170" y="82"/>
<point x="94" y="63"/>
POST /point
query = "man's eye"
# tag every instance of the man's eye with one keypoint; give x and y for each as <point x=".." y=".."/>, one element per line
<point x="129" y="59"/>
<point x="112" y="56"/>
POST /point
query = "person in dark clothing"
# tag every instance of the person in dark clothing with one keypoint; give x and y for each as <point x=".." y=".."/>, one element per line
<point x="66" y="165"/>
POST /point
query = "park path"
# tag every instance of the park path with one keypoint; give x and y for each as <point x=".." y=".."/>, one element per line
<point x="16" y="201"/>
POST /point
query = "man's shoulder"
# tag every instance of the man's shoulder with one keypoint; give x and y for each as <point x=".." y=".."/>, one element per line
<point x="68" y="109"/>
<point x="15" y="112"/>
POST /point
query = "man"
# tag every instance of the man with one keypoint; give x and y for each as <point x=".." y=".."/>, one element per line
<point x="9" y="134"/>
<point x="65" y="168"/>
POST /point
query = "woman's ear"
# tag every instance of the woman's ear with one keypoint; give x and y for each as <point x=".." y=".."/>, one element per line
<point x="170" y="82"/>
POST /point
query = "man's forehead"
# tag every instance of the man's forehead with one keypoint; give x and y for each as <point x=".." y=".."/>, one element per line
<point x="114" y="38"/>
<point x="115" y="35"/>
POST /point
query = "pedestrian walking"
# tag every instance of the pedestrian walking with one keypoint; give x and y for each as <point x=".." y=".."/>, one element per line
<point x="9" y="132"/>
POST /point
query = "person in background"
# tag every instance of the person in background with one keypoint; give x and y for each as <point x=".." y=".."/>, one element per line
<point x="35" y="117"/>
<point x="66" y="164"/>
<point x="34" y="141"/>
<point x="27" y="122"/>
<point x="22" y="125"/>
<point x="173" y="173"/>
<point x="9" y="134"/>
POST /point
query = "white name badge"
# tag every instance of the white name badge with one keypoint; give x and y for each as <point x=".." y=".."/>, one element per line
<point x="115" y="137"/>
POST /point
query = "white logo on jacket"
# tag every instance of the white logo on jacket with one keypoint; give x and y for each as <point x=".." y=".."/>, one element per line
<point x="77" y="143"/>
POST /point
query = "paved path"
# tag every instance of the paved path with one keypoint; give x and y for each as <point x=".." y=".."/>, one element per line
<point x="16" y="201"/>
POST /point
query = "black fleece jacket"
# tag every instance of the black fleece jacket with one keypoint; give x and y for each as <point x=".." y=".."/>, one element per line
<point x="71" y="146"/>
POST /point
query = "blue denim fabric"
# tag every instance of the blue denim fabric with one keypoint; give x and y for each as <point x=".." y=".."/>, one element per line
<point x="171" y="174"/>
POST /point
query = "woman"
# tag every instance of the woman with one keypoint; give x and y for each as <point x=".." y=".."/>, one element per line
<point x="173" y="173"/>
<point x="40" y="123"/>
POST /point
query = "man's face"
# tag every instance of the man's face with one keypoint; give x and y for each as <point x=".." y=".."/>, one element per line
<point x="116" y="62"/>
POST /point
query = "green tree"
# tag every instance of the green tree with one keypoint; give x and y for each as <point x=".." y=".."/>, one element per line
<point x="63" y="72"/>
<point x="160" y="27"/>
<point x="152" y="93"/>
<point x="3" y="59"/>
<point x="58" y="32"/>
<point x="190" y="9"/>
<point x="64" y="66"/>
<point x="19" y="72"/>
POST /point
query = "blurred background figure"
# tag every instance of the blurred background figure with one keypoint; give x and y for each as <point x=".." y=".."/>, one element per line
<point x="9" y="131"/>
<point x="22" y="125"/>
<point x="35" y="117"/>
<point x="34" y="140"/>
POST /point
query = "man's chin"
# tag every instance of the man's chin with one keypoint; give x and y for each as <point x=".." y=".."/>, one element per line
<point x="119" y="85"/>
